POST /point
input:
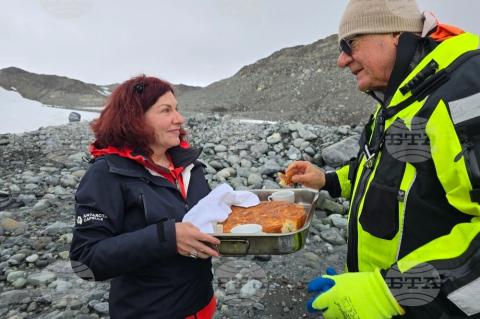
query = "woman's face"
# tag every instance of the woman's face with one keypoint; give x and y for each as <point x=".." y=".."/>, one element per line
<point x="164" y="119"/>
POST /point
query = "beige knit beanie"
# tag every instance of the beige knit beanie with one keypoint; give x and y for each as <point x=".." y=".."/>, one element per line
<point x="380" y="16"/>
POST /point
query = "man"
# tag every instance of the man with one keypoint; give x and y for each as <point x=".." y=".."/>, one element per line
<point x="414" y="189"/>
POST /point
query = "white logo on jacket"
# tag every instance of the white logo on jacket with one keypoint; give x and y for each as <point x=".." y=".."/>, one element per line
<point x="86" y="217"/>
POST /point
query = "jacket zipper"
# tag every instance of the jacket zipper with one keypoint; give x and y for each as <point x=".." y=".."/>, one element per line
<point x="352" y="258"/>
<point x="405" y="200"/>
<point x="144" y="204"/>
<point x="472" y="165"/>
<point x="368" y="167"/>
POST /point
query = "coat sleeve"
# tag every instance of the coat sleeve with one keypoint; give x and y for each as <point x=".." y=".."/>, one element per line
<point x="99" y="249"/>
<point x="337" y="182"/>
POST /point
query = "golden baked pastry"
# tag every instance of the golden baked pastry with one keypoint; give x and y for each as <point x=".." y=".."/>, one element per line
<point x="285" y="179"/>
<point x="274" y="216"/>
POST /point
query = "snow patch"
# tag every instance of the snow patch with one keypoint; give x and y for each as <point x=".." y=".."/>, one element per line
<point x="18" y="115"/>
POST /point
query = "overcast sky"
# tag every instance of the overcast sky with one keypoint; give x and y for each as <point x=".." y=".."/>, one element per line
<point x="194" y="42"/>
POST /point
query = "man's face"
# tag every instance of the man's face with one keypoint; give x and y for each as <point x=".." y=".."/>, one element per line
<point x="371" y="61"/>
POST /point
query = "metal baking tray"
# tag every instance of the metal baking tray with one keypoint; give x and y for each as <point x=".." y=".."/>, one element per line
<point x="268" y="243"/>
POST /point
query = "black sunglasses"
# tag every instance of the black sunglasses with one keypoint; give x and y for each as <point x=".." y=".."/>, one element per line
<point x="346" y="46"/>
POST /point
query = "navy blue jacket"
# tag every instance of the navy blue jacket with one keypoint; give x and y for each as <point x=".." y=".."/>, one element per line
<point x="125" y="230"/>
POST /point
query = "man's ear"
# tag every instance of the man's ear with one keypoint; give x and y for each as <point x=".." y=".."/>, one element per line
<point x="396" y="38"/>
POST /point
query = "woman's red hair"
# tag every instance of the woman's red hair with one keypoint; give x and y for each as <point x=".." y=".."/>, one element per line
<point x="122" y="122"/>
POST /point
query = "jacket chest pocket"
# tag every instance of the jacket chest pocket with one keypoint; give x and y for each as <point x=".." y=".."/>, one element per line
<point x="465" y="115"/>
<point x="153" y="205"/>
<point x="379" y="215"/>
<point x="380" y="211"/>
<point x="471" y="154"/>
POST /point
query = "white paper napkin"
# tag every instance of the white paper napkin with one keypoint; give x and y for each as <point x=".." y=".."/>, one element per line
<point x="215" y="207"/>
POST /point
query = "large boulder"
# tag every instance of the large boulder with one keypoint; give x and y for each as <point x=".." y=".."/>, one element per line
<point x="340" y="153"/>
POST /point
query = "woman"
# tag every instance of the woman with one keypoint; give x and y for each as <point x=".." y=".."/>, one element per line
<point x="130" y="204"/>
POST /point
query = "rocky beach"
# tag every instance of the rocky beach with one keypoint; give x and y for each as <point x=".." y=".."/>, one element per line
<point x="40" y="170"/>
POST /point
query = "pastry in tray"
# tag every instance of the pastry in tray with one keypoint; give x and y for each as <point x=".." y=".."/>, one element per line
<point x="285" y="179"/>
<point x="274" y="216"/>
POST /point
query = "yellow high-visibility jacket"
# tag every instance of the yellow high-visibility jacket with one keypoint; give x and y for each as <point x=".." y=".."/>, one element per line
<point x="415" y="188"/>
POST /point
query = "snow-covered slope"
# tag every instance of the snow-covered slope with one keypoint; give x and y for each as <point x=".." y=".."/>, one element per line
<point x="18" y="114"/>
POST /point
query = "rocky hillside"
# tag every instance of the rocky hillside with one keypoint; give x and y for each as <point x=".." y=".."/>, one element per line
<point x="299" y="83"/>
<point x="61" y="91"/>
<point x="52" y="89"/>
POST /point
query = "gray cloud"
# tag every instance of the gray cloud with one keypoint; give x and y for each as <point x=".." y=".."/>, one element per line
<point x="184" y="41"/>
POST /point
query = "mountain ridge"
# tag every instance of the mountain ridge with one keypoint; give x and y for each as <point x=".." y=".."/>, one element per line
<point x="299" y="83"/>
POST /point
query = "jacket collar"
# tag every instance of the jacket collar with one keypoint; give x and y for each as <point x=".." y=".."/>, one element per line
<point x="128" y="166"/>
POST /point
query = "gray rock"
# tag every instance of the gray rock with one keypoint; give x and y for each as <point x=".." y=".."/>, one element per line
<point x="245" y="163"/>
<point x="220" y="148"/>
<point x="230" y="287"/>
<point x="74" y="117"/>
<point x="66" y="238"/>
<point x="31" y="187"/>
<point x="331" y="206"/>
<point x="338" y="221"/>
<point x="237" y="183"/>
<point x="27" y="199"/>
<point x="61" y="285"/>
<point x="293" y="153"/>
<point x="225" y="173"/>
<point x="58" y="228"/>
<point x="216" y="165"/>
<point x="259" y="148"/>
<point x="14" y="275"/>
<point x="270" y="167"/>
<point x="343" y="129"/>
<point x="333" y="236"/>
<point x="310" y="151"/>
<point x="250" y="288"/>
<point x="19" y="283"/>
<point x="12" y="297"/>
<point x="41" y="278"/>
<point x="15" y="189"/>
<point x="17" y="259"/>
<point x="101" y="308"/>
<point x="243" y="172"/>
<point x="32" y="258"/>
<point x="59" y="190"/>
<point x="241" y="146"/>
<point x="79" y="173"/>
<point x="341" y="152"/>
<point x="307" y="135"/>
<point x="41" y="205"/>
<point x="77" y="157"/>
<point x="11" y="225"/>
<point x="278" y="148"/>
<point x="68" y="181"/>
<point x="298" y="142"/>
<point x="255" y="179"/>
<point x="52" y="180"/>
<point x="297" y="126"/>
<point x="268" y="184"/>
<point x="64" y="254"/>
<point x="274" y="138"/>
<point x="311" y="257"/>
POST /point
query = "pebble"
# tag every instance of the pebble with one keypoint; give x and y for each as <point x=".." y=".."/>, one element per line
<point x="35" y="267"/>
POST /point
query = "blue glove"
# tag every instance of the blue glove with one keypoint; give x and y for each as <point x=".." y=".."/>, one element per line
<point x="320" y="285"/>
<point x="360" y="295"/>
